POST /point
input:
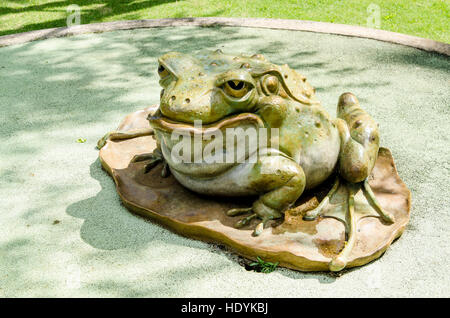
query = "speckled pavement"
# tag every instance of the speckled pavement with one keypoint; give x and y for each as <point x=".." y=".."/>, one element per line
<point x="66" y="234"/>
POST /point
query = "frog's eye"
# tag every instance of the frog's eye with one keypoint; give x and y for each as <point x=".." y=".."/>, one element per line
<point x="271" y="84"/>
<point x="236" y="89"/>
<point x="162" y="71"/>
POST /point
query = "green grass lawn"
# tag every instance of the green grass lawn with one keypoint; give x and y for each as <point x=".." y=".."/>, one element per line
<point x="426" y="18"/>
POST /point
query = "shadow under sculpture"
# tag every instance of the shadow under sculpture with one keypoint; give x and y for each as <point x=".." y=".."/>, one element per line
<point x="316" y="193"/>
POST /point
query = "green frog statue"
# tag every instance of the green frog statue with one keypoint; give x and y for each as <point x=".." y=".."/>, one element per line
<point x="210" y="93"/>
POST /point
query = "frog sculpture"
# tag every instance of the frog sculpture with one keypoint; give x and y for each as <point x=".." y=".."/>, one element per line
<point x="223" y="91"/>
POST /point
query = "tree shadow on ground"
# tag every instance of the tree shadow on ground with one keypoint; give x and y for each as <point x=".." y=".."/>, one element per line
<point x="92" y="12"/>
<point x="98" y="10"/>
<point x="108" y="228"/>
<point x="51" y="84"/>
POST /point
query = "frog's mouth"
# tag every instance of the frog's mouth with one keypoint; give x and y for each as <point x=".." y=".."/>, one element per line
<point x="200" y="138"/>
<point x="159" y="122"/>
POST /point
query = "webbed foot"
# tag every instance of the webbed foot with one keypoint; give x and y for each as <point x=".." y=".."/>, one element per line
<point x="341" y="259"/>
<point x="154" y="159"/>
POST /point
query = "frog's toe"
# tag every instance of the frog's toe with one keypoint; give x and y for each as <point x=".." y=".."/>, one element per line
<point x="337" y="264"/>
<point x="245" y="221"/>
<point x="311" y="215"/>
<point x="261" y="211"/>
<point x="153" y="158"/>
<point x="389" y="218"/>
<point x="370" y="196"/>
<point x="165" y="172"/>
<point x="143" y="157"/>
<point x="153" y="163"/>
<point x="238" y="211"/>
<point x="314" y="213"/>
<point x="260" y="227"/>
<point x="102" y="142"/>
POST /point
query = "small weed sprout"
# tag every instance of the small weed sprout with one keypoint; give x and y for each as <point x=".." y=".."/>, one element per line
<point x="262" y="266"/>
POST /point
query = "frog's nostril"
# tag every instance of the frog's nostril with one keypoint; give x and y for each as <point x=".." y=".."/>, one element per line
<point x="187" y="100"/>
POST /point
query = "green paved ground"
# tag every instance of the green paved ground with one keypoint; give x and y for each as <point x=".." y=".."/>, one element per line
<point x="424" y="18"/>
<point x="64" y="231"/>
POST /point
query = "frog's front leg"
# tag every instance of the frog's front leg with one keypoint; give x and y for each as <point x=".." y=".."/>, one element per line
<point x="122" y="135"/>
<point x="280" y="181"/>
<point x="153" y="158"/>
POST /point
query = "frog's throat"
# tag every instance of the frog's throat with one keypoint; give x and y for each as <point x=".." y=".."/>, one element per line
<point x="168" y="125"/>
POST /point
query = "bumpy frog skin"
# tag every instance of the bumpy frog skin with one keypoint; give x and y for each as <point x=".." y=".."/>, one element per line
<point x="225" y="91"/>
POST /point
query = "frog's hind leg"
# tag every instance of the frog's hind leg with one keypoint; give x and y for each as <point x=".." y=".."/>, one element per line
<point x="280" y="181"/>
<point x="122" y="135"/>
